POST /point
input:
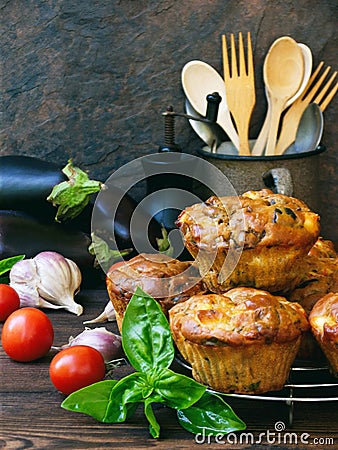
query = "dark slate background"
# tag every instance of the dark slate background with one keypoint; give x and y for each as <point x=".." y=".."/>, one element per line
<point x="90" y="79"/>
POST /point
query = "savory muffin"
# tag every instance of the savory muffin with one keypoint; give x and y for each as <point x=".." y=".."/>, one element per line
<point x="323" y="248"/>
<point x="319" y="276"/>
<point x="243" y="341"/>
<point x="261" y="236"/>
<point x="324" y="326"/>
<point x="166" y="279"/>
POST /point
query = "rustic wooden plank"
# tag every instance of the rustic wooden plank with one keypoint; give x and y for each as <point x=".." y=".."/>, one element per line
<point x="31" y="416"/>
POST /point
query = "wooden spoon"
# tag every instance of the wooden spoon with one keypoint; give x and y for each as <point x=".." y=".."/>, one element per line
<point x="200" y="79"/>
<point x="283" y="76"/>
<point x="259" y="146"/>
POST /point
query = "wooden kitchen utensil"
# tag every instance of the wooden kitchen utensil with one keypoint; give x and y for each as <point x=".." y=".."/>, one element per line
<point x="283" y="75"/>
<point x="199" y="79"/>
<point x="259" y="146"/>
<point x="315" y="93"/>
<point x="240" y="88"/>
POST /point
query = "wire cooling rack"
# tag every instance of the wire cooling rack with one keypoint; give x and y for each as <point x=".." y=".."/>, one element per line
<point x="306" y="383"/>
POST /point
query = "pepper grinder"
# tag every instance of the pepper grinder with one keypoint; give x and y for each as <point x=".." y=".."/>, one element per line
<point x="169" y="134"/>
<point x="166" y="179"/>
<point x="169" y="172"/>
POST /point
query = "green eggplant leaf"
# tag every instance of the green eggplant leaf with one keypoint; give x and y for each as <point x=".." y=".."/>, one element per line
<point x="163" y="244"/>
<point x="211" y="415"/>
<point x="104" y="255"/>
<point x="72" y="196"/>
<point x="146" y="337"/>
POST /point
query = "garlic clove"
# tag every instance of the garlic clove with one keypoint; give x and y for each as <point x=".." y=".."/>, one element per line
<point x="60" y="279"/>
<point x="107" y="343"/>
<point x="24" y="279"/>
<point x="108" y="314"/>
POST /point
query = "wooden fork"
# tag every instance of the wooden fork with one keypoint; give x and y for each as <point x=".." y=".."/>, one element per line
<point x="313" y="93"/>
<point x="240" y="88"/>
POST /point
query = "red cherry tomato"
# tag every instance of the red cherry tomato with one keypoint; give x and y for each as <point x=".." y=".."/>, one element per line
<point x="9" y="301"/>
<point x="27" y="334"/>
<point x="76" y="367"/>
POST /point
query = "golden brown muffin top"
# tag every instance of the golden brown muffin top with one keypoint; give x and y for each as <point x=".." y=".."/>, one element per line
<point x="241" y="316"/>
<point x="324" y="318"/>
<point x="319" y="277"/>
<point x="157" y="274"/>
<point x="255" y="218"/>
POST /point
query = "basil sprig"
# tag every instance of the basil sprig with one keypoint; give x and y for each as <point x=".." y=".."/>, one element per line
<point x="148" y="345"/>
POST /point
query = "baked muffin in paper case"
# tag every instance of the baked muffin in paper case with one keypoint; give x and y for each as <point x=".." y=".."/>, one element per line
<point x="268" y="233"/>
<point x="242" y="341"/>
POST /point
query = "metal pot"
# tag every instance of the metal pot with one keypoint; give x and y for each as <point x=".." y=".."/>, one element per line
<point x="294" y="174"/>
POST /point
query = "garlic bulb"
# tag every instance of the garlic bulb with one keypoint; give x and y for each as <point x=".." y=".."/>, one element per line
<point x="48" y="280"/>
<point x="107" y="343"/>
<point x="108" y="314"/>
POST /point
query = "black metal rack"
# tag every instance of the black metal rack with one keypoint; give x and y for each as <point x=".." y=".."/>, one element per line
<point x="306" y="383"/>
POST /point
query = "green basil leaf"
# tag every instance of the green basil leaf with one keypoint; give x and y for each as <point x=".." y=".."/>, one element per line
<point x="146" y="337"/>
<point x="92" y="400"/>
<point x="154" y="427"/>
<point x="105" y="404"/>
<point x="129" y="390"/>
<point x="210" y="415"/>
<point x="177" y="390"/>
<point x="7" y="263"/>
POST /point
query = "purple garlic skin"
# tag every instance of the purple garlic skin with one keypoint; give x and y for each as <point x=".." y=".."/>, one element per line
<point x="107" y="343"/>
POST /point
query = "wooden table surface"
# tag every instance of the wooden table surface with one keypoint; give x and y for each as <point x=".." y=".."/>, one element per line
<point x="31" y="416"/>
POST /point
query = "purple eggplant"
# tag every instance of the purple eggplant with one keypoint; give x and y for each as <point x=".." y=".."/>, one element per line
<point x="24" y="234"/>
<point x="26" y="182"/>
